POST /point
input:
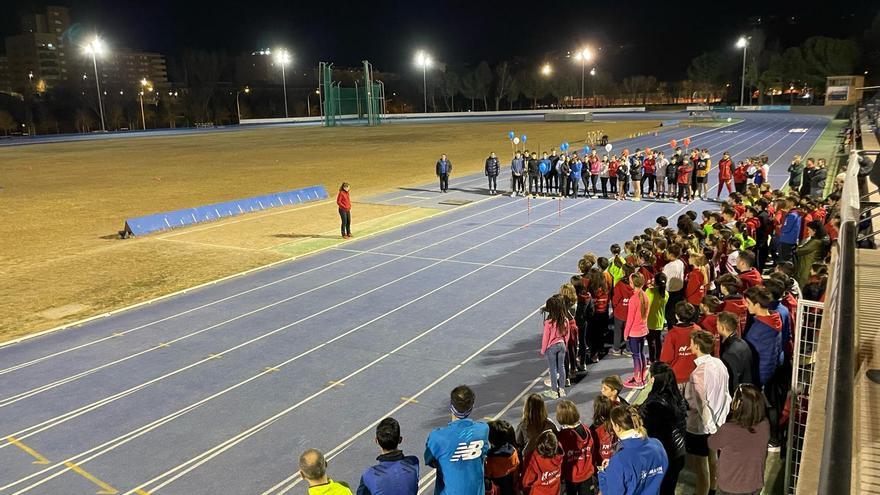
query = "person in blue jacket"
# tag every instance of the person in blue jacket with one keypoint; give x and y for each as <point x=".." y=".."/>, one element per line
<point x="459" y="450"/>
<point x="764" y="336"/>
<point x="577" y="169"/>
<point x="639" y="464"/>
<point x="395" y="474"/>
<point x="790" y="233"/>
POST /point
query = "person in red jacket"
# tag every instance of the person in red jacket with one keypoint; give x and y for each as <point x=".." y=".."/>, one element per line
<point x="741" y="177"/>
<point x="502" y="460"/>
<point x="343" y="201"/>
<point x="697" y="279"/>
<point x="576" y="441"/>
<point x="748" y="274"/>
<point x="733" y="301"/>
<point x="709" y="320"/>
<point x="676" y="351"/>
<point x="685" y="169"/>
<point x="620" y="302"/>
<point x="543" y="472"/>
<point x="725" y="174"/>
<point x="604" y="439"/>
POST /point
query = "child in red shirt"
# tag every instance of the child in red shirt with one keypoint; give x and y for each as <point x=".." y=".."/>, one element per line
<point x="676" y="351"/>
<point x="603" y="435"/>
<point x="709" y="320"/>
<point x="697" y="279"/>
<point x="733" y="301"/>
<point x="576" y="441"/>
<point x="543" y="472"/>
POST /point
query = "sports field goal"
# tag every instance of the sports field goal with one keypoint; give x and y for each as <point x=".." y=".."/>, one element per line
<point x="362" y="104"/>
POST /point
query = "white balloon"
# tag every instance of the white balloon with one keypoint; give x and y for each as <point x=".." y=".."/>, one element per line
<point x="608" y="147"/>
<point x="516" y="140"/>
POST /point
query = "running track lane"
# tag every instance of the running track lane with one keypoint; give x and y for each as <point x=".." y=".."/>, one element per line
<point x="429" y="352"/>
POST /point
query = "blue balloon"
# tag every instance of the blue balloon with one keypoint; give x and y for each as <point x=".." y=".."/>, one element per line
<point x="544" y="167"/>
<point x="566" y="144"/>
<point x="586" y="149"/>
<point x="511" y="134"/>
<point x="522" y="138"/>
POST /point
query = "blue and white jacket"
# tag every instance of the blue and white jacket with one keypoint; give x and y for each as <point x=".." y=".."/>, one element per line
<point x="637" y="468"/>
<point x="395" y="474"/>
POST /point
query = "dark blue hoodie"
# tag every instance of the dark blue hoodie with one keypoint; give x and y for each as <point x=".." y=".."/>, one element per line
<point x="395" y="474"/>
<point x="637" y="468"/>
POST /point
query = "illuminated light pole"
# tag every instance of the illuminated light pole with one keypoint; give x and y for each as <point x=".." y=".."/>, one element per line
<point x="583" y="55"/>
<point x="246" y="90"/>
<point x="309" y="100"/>
<point x="593" y="84"/>
<point x="743" y="43"/>
<point x="94" y="48"/>
<point x="282" y="58"/>
<point x="145" y="86"/>
<point x="423" y="60"/>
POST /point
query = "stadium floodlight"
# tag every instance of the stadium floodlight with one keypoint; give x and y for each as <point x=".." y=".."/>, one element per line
<point x="423" y="60"/>
<point x="95" y="47"/>
<point x="546" y="69"/>
<point x="283" y="58"/>
<point x="145" y="86"/>
<point x="583" y="55"/>
<point x="246" y="91"/>
<point x="743" y="42"/>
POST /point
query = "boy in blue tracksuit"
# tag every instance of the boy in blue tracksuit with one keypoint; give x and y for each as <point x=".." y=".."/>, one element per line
<point x="765" y="334"/>
<point x="459" y="450"/>
<point x="790" y="233"/>
<point x="395" y="474"/>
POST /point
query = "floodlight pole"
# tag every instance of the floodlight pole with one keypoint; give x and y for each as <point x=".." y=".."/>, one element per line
<point x="284" y="86"/>
<point x="583" y="74"/>
<point x="742" y="93"/>
<point x="425" y="83"/>
<point x="143" y="116"/>
<point x="98" y="86"/>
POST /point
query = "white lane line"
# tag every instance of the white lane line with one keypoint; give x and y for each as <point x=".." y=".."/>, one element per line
<point x="43" y="426"/>
<point x="476" y="263"/>
<point x="125" y="438"/>
<point x="239" y="294"/>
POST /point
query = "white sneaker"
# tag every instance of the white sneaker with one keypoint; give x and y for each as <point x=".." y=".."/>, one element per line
<point x="561" y="393"/>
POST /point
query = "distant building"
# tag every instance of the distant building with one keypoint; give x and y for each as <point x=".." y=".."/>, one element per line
<point x="124" y="70"/>
<point x="38" y="58"/>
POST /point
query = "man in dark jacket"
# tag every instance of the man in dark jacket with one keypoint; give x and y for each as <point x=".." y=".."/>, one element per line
<point x="795" y="171"/>
<point x="493" y="167"/>
<point x="395" y="472"/>
<point x="444" y="170"/>
<point x="534" y="174"/>
<point x="807" y="181"/>
<point x="817" y="181"/>
<point x="735" y="352"/>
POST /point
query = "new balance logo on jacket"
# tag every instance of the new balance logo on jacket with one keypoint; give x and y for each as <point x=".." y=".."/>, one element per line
<point x="467" y="451"/>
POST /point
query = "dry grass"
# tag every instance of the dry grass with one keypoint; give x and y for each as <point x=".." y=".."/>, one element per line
<point x="63" y="203"/>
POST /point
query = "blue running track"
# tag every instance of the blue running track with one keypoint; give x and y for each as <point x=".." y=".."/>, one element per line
<point x="218" y="390"/>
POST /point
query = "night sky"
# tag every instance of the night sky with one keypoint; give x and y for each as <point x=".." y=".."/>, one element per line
<point x="636" y="37"/>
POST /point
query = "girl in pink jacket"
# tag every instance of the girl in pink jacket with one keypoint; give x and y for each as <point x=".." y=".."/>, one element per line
<point x="636" y="330"/>
<point x="556" y="329"/>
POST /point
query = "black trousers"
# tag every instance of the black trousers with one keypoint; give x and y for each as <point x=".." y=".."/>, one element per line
<point x="345" y="215"/>
<point x="444" y="182"/>
<point x="674" y="297"/>
<point x="596" y="327"/>
<point x="534" y="184"/>
<point x="651" y="180"/>
<point x="493" y="183"/>
<point x="670" y="478"/>
<point x="519" y="185"/>
<point x="613" y="181"/>
<point x="604" y="187"/>
<point x="655" y="344"/>
<point x="684" y="191"/>
<point x="740" y="187"/>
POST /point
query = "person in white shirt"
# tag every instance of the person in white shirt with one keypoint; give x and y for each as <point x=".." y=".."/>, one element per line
<point x="674" y="271"/>
<point x="662" y="163"/>
<point x="708" y="401"/>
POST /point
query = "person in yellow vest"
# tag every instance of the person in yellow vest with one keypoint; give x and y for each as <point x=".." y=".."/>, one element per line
<point x="704" y="164"/>
<point x="313" y="468"/>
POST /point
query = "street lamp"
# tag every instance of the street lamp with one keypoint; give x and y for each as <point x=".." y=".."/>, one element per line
<point x="94" y="48"/>
<point x="743" y="43"/>
<point x="145" y="86"/>
<point x="593" y="84"/>
<point x="282" y="58"/>
<point x="583" y="55"/>
<point x="423" y="60"/>
<point x="246" y="91"/>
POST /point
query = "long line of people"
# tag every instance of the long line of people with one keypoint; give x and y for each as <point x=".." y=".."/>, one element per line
<point x="704" y="309"/>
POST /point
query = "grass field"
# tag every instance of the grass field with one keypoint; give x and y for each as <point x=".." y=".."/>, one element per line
<point x="62" y="203"/>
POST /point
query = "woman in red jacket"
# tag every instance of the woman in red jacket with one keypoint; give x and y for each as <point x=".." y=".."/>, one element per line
<point x="725" y="174"/>
<point x="344" y="203"/>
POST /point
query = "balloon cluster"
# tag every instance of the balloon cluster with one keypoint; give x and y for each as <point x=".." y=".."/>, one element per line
<point x="516" y="139"/>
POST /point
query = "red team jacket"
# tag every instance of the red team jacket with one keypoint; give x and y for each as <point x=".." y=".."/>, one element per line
<point x="543" y="475"/>
<point x="725" y="170"/>
<point x="577" y="447"/>
<point x="737" y="306"/>
<point x="677" y="353"/>
<point x="620" y="301"/>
